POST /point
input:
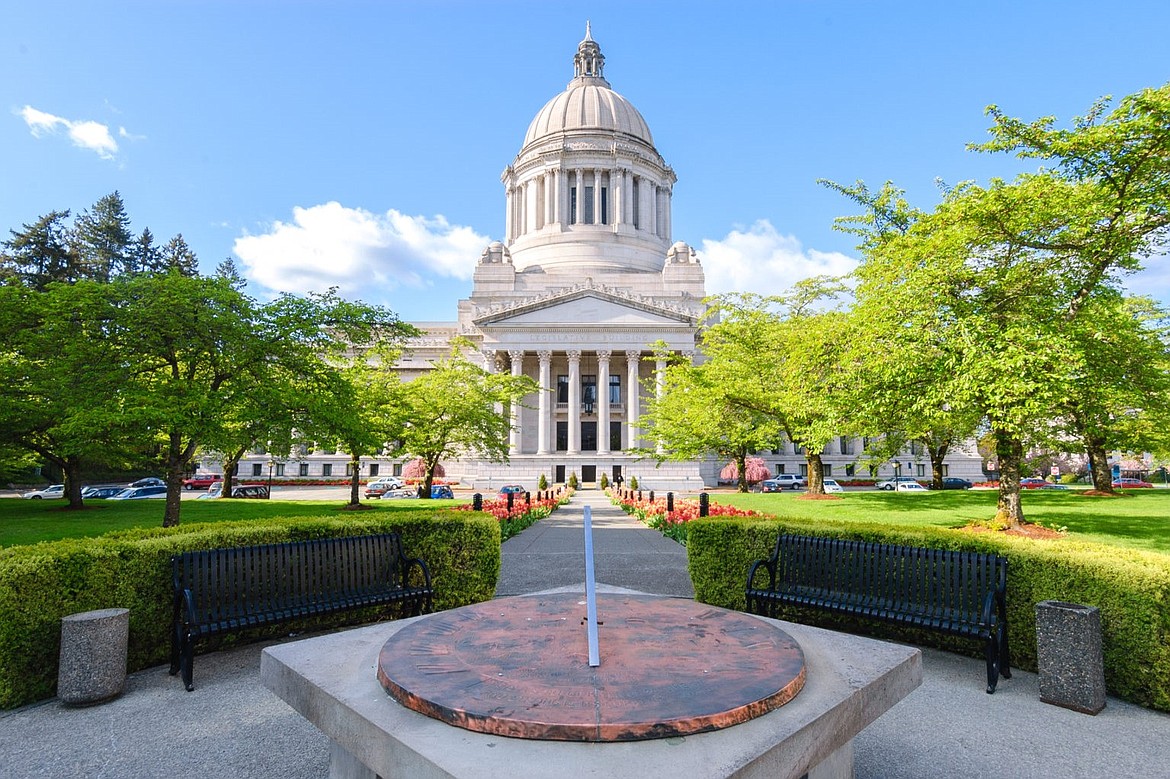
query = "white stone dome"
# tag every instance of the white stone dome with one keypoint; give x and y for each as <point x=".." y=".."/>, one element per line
<point x="588" y="104"/>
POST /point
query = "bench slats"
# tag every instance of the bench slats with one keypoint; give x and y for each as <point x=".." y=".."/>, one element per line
<point x="226" y="590"/>
<point x="957" y="593"/>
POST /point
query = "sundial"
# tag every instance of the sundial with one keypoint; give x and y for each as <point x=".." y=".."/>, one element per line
<point x="607" y="667"/>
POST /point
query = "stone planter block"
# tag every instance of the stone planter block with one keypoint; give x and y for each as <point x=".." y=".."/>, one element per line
<point x="1069" y="656"/>
<point x="93" y="656"/>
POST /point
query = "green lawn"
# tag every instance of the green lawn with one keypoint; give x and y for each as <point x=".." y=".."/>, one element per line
<point x="30" y="521"/>
<point x="1139" y="519"/>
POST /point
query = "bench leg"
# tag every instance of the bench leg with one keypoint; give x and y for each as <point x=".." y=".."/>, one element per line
<point x="187" y="662"/>
<point x="991" y="651"/>
<point x="1005" y="661"/>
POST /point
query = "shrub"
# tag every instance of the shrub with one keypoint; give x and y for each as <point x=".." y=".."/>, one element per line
<point x="572" y="483"/>
<point x="633" y="482"/>
<point x="542" y="483"/>
<point x="1130" y="587"/>
<point x="41" y="583"/>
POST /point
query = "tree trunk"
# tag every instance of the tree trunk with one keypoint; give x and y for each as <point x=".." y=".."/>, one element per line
<point x="937" y="455"/>
<point x="177" y="458"/>
<point x="741" y="468"/>
<point x="71" y="468"/>
<point x="1009" y="450"/>
<point x="355" y="481"/>
<point x="816" y="472"/>
<point x="229" y="471"/>
<point x="1099" y="463"/>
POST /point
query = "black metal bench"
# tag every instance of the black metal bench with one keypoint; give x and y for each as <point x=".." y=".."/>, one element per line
<point x="221" y="591"/>
<point x="958" y="593"/>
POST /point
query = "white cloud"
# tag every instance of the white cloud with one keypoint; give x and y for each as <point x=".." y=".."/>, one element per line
<point x="762" y="260"/>
<point x="87" y="134"/>
<point x="361" y="253"/>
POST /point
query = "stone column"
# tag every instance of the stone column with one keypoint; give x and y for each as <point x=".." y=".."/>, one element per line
<point x="597" y="197"/>
<point x="617" y="184"/>
<point x="659" y="391"/>
<point x="632" y="364"/>
<point x="514" y="436"/>
<point x="666" y="226"/>
<point x="509" y="216"/>
<point x="545" y="404"/>
<point x="603" y="402"/>
<point x="575" y="398"/>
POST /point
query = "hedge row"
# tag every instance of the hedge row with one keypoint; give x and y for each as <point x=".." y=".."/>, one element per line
<point x="1131" y="588"/>
<point x="41" y="583"/>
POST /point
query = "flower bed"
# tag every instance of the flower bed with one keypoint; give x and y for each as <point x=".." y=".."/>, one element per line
<point x="522" y="514"/>
<point x="673" y="524"/>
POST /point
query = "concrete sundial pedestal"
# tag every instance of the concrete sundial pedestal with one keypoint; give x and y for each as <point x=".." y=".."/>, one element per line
<point x="518" y="667"/>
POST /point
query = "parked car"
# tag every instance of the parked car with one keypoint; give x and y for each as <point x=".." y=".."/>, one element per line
<point x="831" y="485"/>
<point x="102" y="491"/>
<point x="1032" y="483"/>
<point x="891" y="484"/>
<point x="52" y="491"/>
<point x="784" y="481"/>
<point x="512" y="488"/>
<point x="239" y="491"/>
<point x="1130" y="484"/>
<point x="953" y="483"/>
<point x="441" y="491"/>
<point x="201" y="481"/>
<point x="910" y="486"/>
<point x="379" y="487"/>
<point x="149" y="481"/>
<point x="141" y="493"/>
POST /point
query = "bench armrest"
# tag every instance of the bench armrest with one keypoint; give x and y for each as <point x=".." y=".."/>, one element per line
<point x="770" y="565"/>
<point x="410" y="563"/>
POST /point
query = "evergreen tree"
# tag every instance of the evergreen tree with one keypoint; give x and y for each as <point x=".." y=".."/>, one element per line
<point x="177" y="255"/>
<point x="102" y="239"/>
<point x="144" y="256"/>
<point x="230" y="271"/>
<point x="40" y="253"/>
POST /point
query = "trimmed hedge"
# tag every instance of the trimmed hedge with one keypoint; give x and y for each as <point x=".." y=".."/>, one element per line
<point x="41" y="583"/>
<point x="1130" y="587"/>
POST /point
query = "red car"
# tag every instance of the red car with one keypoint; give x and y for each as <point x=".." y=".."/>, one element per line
<point x="1130" y="484"/>
<point x="201" y="481"/>
<point x="1033" y="484"/>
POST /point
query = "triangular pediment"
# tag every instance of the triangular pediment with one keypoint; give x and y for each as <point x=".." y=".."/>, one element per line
<point x="587" y="305"/>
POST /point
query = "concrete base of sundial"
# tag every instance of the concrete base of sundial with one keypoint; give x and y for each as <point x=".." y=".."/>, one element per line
<point x="647" y="727"/>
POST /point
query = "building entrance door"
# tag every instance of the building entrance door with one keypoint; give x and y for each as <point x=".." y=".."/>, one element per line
<point x="589" y="473"/>
<point x="588" y="436"/>
<point x="559" y="476"/>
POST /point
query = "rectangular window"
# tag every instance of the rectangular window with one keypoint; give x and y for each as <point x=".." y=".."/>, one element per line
<point x="779" y="468"/>
<point x="589" y="393"/>
<point x="396" y="470"/>
<point x="946" y="469"/>
<point x="804" y="469"/>
<point x="615" y="389"/>
<point x="588" y="210"/>
<point x="327" y="469"/>
<point x="257" y="469"/>
<point x="828" y="470"/>
<point x="280" y="469"/>
<point x="572" y="205"/>
<point x="373" y="469"/>
<point x="846" y="445"/>
<point x="797" y="449"/>
<point x="605" y="205"/>
<point x="303" y="470"/>
<point x="588" y="436"/>
<point x="562" y="436"/>
<point x="635" y="200"/>
<point x="562" y="389"/>
<point x="348" y="470"/>
<point x="615" y="437"/>
<point x="915" y="448"/>
<point x="921" y="469"/>
<point x="850" y="469"/>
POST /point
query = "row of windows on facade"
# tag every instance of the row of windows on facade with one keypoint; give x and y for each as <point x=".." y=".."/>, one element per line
<point x="589" y="388"/>
<point x="845" y="446"/>
<point x="279" y="470"/>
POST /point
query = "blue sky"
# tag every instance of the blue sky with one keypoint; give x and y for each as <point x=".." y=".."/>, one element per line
<point x="360" y="144"/>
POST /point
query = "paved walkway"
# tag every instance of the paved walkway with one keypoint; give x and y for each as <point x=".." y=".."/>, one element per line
<point x="231" y="726"/>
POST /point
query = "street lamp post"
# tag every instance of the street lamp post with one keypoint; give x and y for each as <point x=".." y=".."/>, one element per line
<point x="271" y="465"/>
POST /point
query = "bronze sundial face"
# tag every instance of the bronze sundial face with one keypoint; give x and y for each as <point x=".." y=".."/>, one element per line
<point x="519" y="667"/>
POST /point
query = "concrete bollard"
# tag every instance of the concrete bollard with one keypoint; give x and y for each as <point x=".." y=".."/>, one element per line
<point x="1069" y="656"/>
<point x="92" y="666"/>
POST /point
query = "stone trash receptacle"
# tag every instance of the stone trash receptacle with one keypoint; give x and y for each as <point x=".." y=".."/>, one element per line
<point x="1069" y="656"/>
<point x="93" y="656"/>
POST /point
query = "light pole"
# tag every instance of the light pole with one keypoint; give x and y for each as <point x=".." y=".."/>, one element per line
<point x="271" y="464"/>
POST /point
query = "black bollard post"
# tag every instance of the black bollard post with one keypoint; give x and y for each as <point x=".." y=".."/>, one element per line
<point x="669" y="502"/>
<point x="510" y="494"/>
<point x="704" y="504"/>
<point x="528" y="498"/>
<point x="651" y="496"/>
<point x="639" y="496"/>
<point x="477" y="502"/>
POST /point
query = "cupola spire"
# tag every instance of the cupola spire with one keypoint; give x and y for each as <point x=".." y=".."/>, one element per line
<point x="589" y="63"/>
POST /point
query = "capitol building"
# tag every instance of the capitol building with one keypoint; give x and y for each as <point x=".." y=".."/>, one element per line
<point x="587" y="277"/>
